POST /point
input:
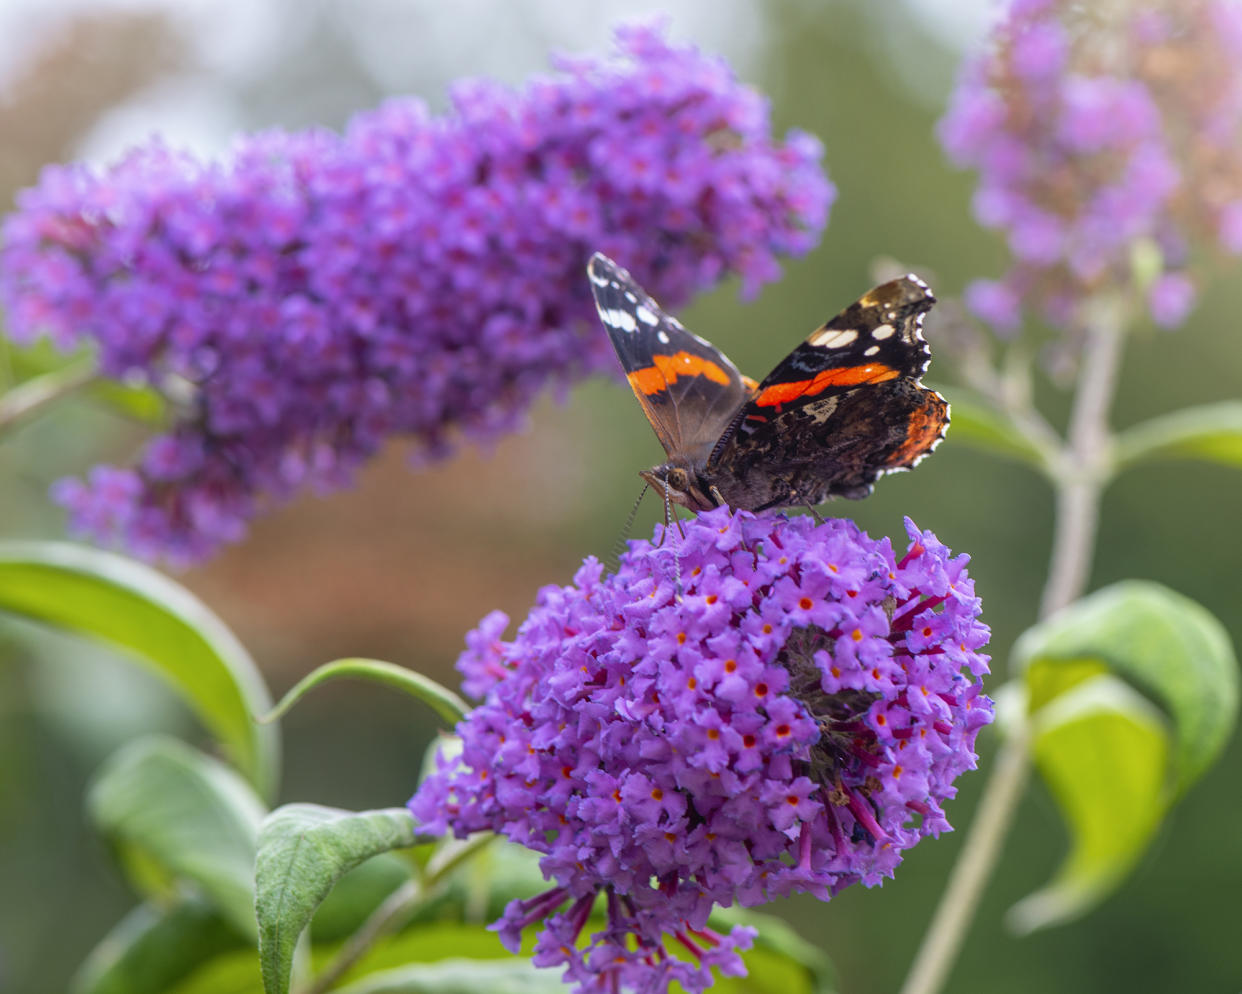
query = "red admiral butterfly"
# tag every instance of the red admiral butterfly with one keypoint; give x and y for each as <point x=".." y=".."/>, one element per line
<point x="841" y="409"/>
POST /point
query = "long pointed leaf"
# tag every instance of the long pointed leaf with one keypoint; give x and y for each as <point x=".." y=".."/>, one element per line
<point x="303" y="850"/>
<point x="185" y="815"/>
<point x="1211" y="432"/>
<point x="1113" y="761"/>
<point x="151" y="619"/>
<point x="439" y="698"/>
<point x="1103" y="751"/>
<point x="1166" y="644"/>
<point x="981" y="426"/>
<point x="153" y="948"/>
<point x="461" y="976"/>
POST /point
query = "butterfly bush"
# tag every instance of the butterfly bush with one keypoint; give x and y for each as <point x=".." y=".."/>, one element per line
<point x="313" y="294"/>
<point x="762" y="707"/>
<point x="1097" y="129"/>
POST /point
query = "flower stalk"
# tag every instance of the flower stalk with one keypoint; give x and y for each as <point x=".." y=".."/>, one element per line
<point x="1082" y="469"/>
<point x="32" y="396"/>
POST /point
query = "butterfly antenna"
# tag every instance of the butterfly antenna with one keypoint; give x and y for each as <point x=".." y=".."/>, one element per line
<point x="618" y="547"/>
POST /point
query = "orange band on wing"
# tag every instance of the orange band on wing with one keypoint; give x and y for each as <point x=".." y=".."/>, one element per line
<point x="844" y="376"/>
<point x="665" y="369"/>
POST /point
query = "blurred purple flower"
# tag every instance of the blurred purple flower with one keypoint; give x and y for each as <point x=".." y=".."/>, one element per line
<point x="784" y="710"/>
<point x="1170" y="299"/>
<point x="417" y="275"/>
<point x="1094" y="129"/>
<point x="996" y="303"/>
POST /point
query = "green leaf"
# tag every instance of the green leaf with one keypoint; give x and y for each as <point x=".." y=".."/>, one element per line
<point x="769" y="973"/>
<point x="178" y="815"/>
<point x="153" y="948"/>
<point x="976" y="423"/>
<point x="1113" y="761"/>
<point x="1212" y="432"/>
<point x="439" y="698"/>
<point x="356" y="895"/>
<point x="1102" y="749"/>
<point x="303" y="850"/>
<point x="461" y="976"/>
<point x="425" y="942"/>
<point x="781" y="961"/>
<point x="1166" y="644"/>
<point x="44" y="362"/>
<point x="149" y="618"/>
<point x="232" y="973"/>
<point x="138" y="403"/>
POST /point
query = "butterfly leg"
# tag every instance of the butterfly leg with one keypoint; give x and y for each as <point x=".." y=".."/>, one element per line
<point x="819" y="518"/>
<point x="718" y="497"/>
<point x="668" y="515"/>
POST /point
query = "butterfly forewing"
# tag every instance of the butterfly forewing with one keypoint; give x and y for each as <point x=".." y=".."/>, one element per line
<point x="876" y="339"/>
<point x="687" y="387"/>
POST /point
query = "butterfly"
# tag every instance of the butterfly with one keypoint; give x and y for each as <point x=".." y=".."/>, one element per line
<point x="843" y="408"/>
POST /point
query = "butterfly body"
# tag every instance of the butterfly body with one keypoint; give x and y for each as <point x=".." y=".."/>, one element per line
<point x="840" y="410"/>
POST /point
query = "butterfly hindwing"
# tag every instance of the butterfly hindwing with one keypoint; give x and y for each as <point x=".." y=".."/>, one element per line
<point x="687" y="387"/>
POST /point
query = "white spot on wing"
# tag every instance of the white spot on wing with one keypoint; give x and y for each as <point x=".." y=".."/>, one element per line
<point x="663" y="338"/>
<point x="834" y="338"/>
<point x="882" y="332"/>
<point x="645" y="316"/>
<point x="599" y="279"/>
<point x="872" y="351"/>
<point x="622" y="319"/>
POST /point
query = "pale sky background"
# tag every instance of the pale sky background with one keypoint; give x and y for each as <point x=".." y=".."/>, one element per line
<point x="408" y="46"/>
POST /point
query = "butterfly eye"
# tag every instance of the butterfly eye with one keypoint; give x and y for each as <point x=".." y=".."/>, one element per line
<point x="678" y="479"/>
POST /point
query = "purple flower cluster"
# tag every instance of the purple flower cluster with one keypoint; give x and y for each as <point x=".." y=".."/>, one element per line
<point x="316" y="293"/>
<point x="761" y="707"/>
<point x="1097" y="130"/>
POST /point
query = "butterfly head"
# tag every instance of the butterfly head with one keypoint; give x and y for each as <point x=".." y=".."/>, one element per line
<point x="682" y="486"/>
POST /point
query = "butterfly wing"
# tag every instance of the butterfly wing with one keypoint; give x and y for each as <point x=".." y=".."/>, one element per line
<point x="687" y="387"/>
<point x="843" y="408"/>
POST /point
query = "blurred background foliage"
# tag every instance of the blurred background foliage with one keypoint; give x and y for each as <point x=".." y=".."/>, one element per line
<point x="401" y="566"/>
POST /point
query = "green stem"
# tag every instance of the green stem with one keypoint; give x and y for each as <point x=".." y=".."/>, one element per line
<point x="974" y="866"/>
<point x="1086" y="466"/>
<point x="396" y="910"/>
<point x="28" y="398"/>
<point x="1081" y="473"/>
<point x="385" y="919"/>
